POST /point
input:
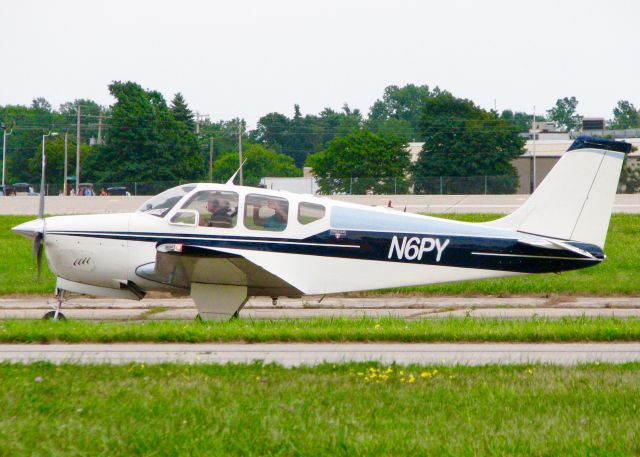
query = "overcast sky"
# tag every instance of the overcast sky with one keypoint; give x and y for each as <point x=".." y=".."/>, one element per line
<point x="247" y="58"/>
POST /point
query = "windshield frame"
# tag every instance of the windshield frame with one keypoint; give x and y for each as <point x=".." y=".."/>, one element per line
<point x="160" y="205"/>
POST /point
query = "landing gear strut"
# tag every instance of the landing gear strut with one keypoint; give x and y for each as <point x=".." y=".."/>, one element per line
<point x="56" y="315"/>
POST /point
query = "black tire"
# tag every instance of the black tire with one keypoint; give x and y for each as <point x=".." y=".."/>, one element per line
<point x="198" y="318"/>
<point x="51" y="315"/>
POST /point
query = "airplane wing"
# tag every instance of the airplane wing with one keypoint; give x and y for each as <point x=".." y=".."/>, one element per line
<point x="179" y="265"/>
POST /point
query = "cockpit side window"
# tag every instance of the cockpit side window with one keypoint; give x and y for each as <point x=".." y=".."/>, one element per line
<point x="162" y="203"/>
<point x="216" y="208"/>
<point x="262" y="212"/>
<point x="310" y="212"/>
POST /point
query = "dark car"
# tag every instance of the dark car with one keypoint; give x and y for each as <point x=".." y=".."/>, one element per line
<point x="117" y="191"/>
<point x="23" y="188"/>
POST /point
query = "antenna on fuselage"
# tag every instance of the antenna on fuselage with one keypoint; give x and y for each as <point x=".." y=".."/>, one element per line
<point x="230" y="181"/>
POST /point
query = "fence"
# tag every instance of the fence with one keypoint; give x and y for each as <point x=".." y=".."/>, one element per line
<point x="438" y="185"/>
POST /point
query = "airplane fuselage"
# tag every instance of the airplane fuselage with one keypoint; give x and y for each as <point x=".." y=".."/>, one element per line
<point x="352" y="247"/>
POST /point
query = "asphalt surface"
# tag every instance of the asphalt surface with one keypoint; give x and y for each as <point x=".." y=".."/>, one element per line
<point x="290" y="355"/>
<point x="262" y="308"/>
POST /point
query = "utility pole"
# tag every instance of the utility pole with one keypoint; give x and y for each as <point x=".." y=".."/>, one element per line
<point x="198" y="117"/>
<point x="535" y="131"/>
<point x="240" y="147"/>
<point x="100" y="128"/>
<point x="43" y="179"/>
<point x="211" y="158"/>
<point x="66" y="162"/>
<point x="78" y="151"/>
<point x="4" y="154"/>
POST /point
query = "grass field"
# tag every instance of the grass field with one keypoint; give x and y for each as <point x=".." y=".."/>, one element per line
<point x="618" y="275"/>
<point x="326" y="330"/>
<point x="17" y="267"/>
<point x="370" y="410"/>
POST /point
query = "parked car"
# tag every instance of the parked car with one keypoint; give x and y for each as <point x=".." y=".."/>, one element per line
<point x="23" y="188"/>
<point x="117" y="191"/>
<point x="86" y="189"/>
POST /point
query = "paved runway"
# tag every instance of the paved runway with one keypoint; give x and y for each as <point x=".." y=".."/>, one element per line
<point x="418" y="307"/>
<point x="312" y="354"/>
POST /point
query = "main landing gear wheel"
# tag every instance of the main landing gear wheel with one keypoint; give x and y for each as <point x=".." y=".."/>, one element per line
<point x="198" y="318"/>
<point x="54" y="316"/>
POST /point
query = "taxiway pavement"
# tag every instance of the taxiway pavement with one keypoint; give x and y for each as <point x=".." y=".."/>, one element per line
<point x="374" y="306"/>
<point x="289" y="354"/>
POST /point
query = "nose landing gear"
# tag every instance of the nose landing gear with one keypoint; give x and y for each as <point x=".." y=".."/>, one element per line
<point x="55" y="314"/>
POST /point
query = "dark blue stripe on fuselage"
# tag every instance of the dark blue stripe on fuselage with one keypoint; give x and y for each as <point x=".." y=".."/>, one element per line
<point x="502" y="254"/>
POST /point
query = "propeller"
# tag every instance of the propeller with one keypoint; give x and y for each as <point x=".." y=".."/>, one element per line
<point x="38" y="241"/>
<point x="37" y="251"/>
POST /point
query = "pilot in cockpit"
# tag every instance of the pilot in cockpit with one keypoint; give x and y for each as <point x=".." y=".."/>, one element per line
<point x="221" y="212"/>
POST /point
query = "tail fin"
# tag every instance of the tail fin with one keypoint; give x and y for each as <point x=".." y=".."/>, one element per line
<point x="575" y="200"/>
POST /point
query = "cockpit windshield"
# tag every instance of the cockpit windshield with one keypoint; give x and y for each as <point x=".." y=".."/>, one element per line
<point x="162" y="203"/>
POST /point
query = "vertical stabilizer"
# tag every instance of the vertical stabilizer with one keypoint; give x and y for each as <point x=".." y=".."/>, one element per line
<point x="575" y="200"/>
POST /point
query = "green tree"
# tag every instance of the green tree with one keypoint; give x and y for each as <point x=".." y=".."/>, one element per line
<point x="26" y="140"/>
<point x="182" y="113"/>
<point x="463" y="140"/>
<point x="260" y="163"/>
<point x="90" y="112"/>
<point x="301" y="135"/>
<point x="145" y="142"/>
<point x="625" y="116"/>
<point x="272" y="130"/>
<point x="565" y="113"/>
<point x="362" y="161"/>
<point x="225" y="135"/>
<point x="41" y="104"/>
<point x="55" y="162"/>
<point x="399" y="110"/>
<point x="520" y="121"/>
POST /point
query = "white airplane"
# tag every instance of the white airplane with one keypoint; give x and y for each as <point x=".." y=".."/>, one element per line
<point x="225" y="243"/>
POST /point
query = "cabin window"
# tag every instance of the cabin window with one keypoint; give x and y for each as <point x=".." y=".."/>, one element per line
<point x="185" y="217"/>
<point x="310" y="212"/>
<point x="216" y="208"/>
<point x="262" y="212"/>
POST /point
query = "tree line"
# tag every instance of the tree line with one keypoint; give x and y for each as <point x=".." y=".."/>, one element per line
<point x="147" y="138"/>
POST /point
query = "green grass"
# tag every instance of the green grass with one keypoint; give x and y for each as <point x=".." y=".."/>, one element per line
<point x="256" y="410"/>
<point x="18" y="273"/>
<point x="326" y="330"/>
<point x="618" y="275"/>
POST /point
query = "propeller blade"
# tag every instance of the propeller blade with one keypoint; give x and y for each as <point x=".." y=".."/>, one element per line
<point x="37" y="252"/>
